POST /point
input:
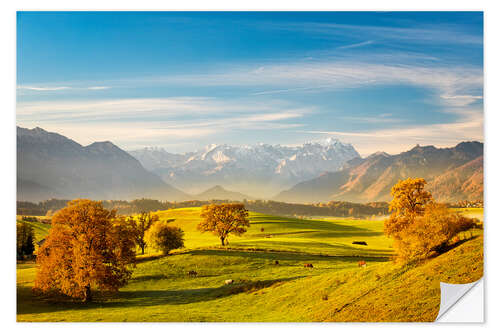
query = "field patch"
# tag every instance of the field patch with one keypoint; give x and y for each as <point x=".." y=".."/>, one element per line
<point x="273" y="233"/>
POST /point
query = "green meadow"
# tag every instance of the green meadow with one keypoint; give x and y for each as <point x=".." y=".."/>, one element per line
<point x="477" y="213"/>
<point x="270" y="280"/>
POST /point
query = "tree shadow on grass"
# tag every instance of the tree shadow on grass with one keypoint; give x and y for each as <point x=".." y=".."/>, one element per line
<point x="321" y="234"/>
<point x="149" y="258"/>
<point x="450" y="247"/>
<point x="317" y="225"/>
<point x="345" y="234"/>
<point x="282" y="256"/>
<point x="28" y="303"/>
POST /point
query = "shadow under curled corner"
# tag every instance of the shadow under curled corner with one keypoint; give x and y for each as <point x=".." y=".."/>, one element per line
<point x="451" y="294"/>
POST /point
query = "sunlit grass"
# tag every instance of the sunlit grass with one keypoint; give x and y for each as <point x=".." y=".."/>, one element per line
<point x="270" y="280"/>
<point x="477" y="213"/>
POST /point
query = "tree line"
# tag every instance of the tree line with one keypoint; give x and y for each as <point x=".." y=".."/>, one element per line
<point x="89" y="246"/>
<point x="332" y="208"/>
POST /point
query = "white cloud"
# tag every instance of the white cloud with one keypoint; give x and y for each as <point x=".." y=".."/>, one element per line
<point x="164" y="108"/>
<point x="423" y="34"/>
<point x="460" y="100"/>
<point x="58" y="88"/>
<point x="352" y="46"/>
<point x="132" y="122"/>
<point x="448" y="81"/>
<point x="98" y="88"/>
<point x="148" y="120"/>
<point x="42" y="88"/>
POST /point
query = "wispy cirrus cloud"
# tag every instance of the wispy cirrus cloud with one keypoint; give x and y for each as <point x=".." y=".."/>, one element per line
<point x="454" y="88"/>
<point x="42" y="88"/>
<point x="172" y="107"/>
<point x="355" y="45"/>
<point x="156" y="121"/>
<point x="450" y="82"/>
<point x="58" y="88"/>
<point x="98" y="88"/>
<point x="429" y="33"/>
<point x="454" y="85"/>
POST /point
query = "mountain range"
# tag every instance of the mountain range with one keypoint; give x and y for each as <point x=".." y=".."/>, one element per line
<point x="50" y="165"/>
<point x="259" y="170"/>
<point x="452" y="174"/>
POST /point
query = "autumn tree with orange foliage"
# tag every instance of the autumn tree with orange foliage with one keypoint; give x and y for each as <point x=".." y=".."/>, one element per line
<point x="224" y="219"/>
<point x="409" y="200"/>
<point x="87" y="247"/>
<point x="419" y="226"/>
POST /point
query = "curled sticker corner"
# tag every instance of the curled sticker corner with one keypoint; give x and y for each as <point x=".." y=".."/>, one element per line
<point x="451" y="294"/>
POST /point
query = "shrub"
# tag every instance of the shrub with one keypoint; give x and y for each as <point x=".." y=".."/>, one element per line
<point x="164" y="238"/>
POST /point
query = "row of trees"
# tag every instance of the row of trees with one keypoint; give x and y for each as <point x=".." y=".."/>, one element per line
<point x="89" y="246"/>
<point x="419" y="226"/>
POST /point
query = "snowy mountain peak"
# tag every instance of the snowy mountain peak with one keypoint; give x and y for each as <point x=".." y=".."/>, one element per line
<point x="329" y="141"/>
<point x="258" y="166"/>
<point x="326" y="142"/>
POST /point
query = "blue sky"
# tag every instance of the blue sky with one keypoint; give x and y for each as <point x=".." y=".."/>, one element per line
<point x="379" y="80"/>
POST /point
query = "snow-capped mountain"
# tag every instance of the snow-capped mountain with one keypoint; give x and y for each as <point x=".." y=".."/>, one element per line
<point x="259" y="170"/>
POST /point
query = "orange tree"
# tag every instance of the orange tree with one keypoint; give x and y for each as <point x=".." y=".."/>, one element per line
<point x="431" y="232"/>
<point x="224" y="219"/>
<point x="87" y="246"/>
<point x="418" y="225"/>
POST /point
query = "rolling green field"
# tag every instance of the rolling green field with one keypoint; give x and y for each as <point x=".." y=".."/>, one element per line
<point x="477" y="213"/>
<point x="335" y="289"/>
<point x="41" y="230"/>
<point x="328" y="237"/>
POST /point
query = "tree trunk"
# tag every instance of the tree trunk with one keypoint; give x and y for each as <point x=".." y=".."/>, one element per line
<point x="142" y="249"/>
<point x="222" y="241"/>
<point x="87" y="294"/>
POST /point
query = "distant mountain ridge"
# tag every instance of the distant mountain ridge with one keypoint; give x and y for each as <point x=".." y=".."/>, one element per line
<point x="463" y="183"/>
<point x="452" y="174"/>
<point x="219" y="193"/>
<point x="258" y="170"/>
<point x="50" y="165"/>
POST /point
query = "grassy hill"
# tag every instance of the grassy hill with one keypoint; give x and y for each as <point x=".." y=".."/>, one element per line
<point x="326" y="236"/>
<point x="335" y="289"/>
